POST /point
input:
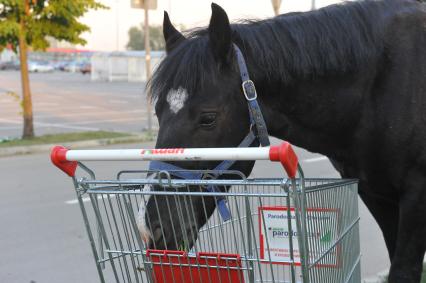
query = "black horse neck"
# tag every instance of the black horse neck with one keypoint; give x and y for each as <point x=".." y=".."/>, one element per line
<point x="321" y="116"/>
<point x="312" y="70"/>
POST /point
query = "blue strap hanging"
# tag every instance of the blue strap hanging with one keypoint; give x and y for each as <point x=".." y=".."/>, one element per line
<point x="189" y="175"/>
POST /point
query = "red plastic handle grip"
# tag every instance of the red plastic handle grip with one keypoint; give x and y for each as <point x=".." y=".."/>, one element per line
<point x="285" y="154"/>
<point x="58" y="155"/>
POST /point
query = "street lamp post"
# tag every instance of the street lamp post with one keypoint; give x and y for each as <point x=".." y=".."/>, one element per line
<point x="276" y="6"/>
<point x="146" y="5"/>
<point x="147" y="63"/>
<point x="117" y="25"/>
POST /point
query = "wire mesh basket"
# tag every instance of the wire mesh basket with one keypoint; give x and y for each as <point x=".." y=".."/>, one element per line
<point x="281" y="230"/>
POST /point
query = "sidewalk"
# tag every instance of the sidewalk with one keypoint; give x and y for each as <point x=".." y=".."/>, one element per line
<point x="21" y="150"/>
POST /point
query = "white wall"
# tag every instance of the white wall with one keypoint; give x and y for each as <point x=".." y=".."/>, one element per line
<point x="122" y="66"/>
<point x="8" y="55"/>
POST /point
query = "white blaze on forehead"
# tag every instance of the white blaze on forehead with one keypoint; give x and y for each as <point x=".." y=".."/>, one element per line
<point x="141" y="220"/>
<point x="177" y="98"/>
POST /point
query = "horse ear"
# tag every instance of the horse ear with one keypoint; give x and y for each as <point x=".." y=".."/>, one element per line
<point x="220" y="35"/>
<point x="172" y="36"/>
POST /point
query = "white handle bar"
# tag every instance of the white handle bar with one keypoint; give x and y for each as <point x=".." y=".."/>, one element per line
<point x="172" y="154"/>
<point x="67" y="159"/>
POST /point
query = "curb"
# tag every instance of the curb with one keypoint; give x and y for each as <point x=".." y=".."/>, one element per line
<point x="30" y="149"/>
<point x="380" y="277"/>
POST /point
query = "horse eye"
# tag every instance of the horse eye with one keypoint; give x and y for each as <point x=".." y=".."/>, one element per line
<point x="208" y="119"/>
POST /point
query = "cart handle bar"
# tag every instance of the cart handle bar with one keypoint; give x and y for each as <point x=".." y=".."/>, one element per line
<point x="66" y="159"/>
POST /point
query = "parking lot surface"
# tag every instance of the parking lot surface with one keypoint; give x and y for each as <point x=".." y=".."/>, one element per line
<point x="69" y="102"/>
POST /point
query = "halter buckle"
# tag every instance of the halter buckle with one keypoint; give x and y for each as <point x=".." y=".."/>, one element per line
<point x="207" y="176"/>
<point x="249" y="90"/>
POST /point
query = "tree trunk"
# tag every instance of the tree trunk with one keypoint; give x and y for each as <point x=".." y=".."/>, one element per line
<point x="28" y="131"/>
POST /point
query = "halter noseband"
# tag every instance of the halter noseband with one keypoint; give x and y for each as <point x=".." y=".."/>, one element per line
<point x="258" y="132"/>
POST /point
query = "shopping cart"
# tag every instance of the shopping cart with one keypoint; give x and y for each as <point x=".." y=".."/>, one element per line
<point x="281" y="229"/>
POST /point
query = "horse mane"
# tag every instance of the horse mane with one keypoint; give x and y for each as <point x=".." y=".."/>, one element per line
<point x="333" y="40"/>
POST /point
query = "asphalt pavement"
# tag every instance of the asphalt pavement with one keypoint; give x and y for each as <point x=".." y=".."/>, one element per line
<point x="69" y="102"/>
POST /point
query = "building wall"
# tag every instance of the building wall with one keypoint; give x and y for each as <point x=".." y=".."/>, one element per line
<point x="8" y="55"/>
<point x="122" y="66"/>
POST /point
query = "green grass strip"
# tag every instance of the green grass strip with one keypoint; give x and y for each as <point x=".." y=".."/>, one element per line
<point x="60" y="138"/>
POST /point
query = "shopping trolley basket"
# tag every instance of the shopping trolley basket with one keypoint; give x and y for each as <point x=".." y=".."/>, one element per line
<point x="281" y="229"/>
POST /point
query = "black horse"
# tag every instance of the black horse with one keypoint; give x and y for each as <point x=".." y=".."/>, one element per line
<point x="347" y="81"/>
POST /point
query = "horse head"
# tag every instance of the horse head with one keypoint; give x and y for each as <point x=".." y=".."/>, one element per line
<point x="199" y="103"/>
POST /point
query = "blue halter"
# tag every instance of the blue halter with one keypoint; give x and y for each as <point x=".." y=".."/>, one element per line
<point x="258" y="132"/>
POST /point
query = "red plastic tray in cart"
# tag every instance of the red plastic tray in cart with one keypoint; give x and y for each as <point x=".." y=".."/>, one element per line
<point x="179" y="267"/>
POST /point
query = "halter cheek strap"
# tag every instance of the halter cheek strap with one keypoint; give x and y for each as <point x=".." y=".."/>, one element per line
<point x="258" y="132"/>
<point x="249" y="90"/>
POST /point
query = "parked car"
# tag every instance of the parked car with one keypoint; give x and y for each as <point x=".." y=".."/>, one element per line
<point x="39" y="66"/>
<point x="10" y="65"/>
<point x="85" y="68"/>
<point x="60" y="65"/>
<point x="72" y="67"/>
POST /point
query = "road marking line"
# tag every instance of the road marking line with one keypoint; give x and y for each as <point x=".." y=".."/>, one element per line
<point x="85" y="114"/>
<point x="86" y="199"/>
<point x="37" y="104"/>
<point x="9" y="128"/>
<point x="9" y="103"/>
<point x="118" y="101"/>
<point x="5" y="112"/>
<point x="315" y="159"/>
<point x="10" y="121"/>
<point x="40" y="124"/>
<point x="53" y="126"/>
<point x="108" y="120"/>
<point x="87" y="107"/>
<point x="67" y="127"/>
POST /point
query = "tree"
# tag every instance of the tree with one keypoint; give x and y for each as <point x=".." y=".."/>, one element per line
<point x="27" y="23"/>
<point x="137" y="42"/>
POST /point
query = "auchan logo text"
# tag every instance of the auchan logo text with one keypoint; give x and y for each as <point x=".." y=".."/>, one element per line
<point x="163" y="151"/>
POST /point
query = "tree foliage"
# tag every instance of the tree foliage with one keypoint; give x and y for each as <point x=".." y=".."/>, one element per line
<point x="44" y="18"/>
<point x="137" y="41"/>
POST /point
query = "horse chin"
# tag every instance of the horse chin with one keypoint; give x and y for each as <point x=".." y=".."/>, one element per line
<point x="160" y="226"/>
